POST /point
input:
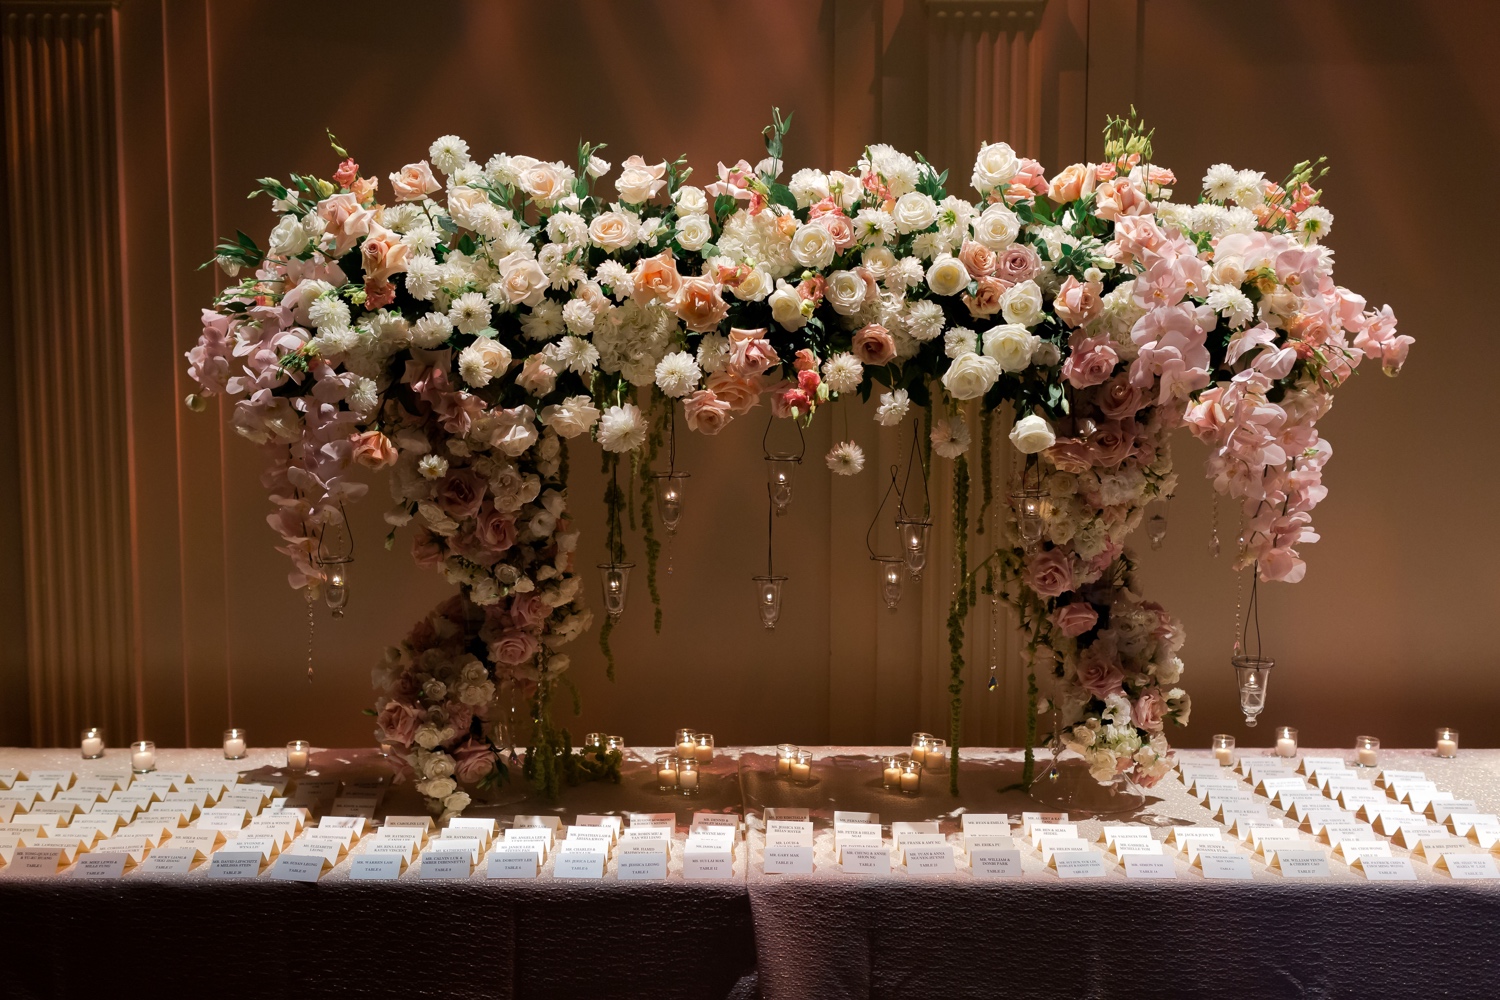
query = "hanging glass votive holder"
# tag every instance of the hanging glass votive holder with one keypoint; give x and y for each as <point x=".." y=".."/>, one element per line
<point x="335" y="555"/>
<point x="779" y="470"/>
<point x="666" y="772"/>
<point x="1031" y="506"/>
<point x="768" y="599"/>
<point x="689" y="775"/>
<point x="669" y="490"/>
<point x="1156" y="529"/>
<point x="785" y="754"/>
<point x="890" y="580"/>
<point x="615" y="578"/>
<point x="1253" y="673"/>
<point x="913" y="535"/>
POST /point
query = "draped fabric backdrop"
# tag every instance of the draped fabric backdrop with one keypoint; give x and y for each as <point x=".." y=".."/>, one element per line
<point x="138" y="585"/>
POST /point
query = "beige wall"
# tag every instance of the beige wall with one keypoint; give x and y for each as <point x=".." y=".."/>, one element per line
<point x="1387" y="634"/>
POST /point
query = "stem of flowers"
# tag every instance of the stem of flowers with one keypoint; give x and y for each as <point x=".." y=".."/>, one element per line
<point x="986" y="424"/>
<point x="1028" y="770"/>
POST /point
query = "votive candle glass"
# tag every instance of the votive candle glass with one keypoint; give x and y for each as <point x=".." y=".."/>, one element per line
<point x="1366" y="751"/>
<point x="91" y="744"/>
<point x="911" y="776"/>
<point x="703" y="747"/>
<point x="666" y="772"/>
<point x="686" y="743"/>
<point x="1447" y="742"/>
<point x="298" y="753"/>
<point x="890" y="775"/>
<point x="785" y="754"/>
<point x="235" y="744"/>
<point x="1223" y="747"/>
<point x="1286" y="741"/>
<point x="801" y="770"/>
<point x="689" y="776"/>
<point x="142" y="756"/>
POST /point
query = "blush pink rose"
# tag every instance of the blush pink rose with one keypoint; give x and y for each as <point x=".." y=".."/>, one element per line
<point x="656" y="279"/>
<point x="1149" y="710"/>
<point x="1017" y="263"/>
<point x="873" y="345"/>
<point x="1091" y="362"/>
<point x="1112" y="442"/>
<point x="472" y="760"/>
<point x="985" y="301"/>
<point x="399" y="721"/>
<point x="513" y="648"/>
<point x="1078" y="302"/>
<point x="706" y="412"/>
<point x="839" y="227"/>
<point x="374" y="450"/>
<point x="1119" y="399"/>
<point x="1074" y="619"/>
<point x="496" y="531"/>
<point x="1049" y="572"/>
<point x="977" y="259"/>
<point x="460" y="494"/>
<point x="426" y="550"/>
<point x="528" y="611"/>
<point x="750" y="353"/>
<point x="1070" y="455"/>
<point x="741" y="392"/>
<point x="1098" y="672"/>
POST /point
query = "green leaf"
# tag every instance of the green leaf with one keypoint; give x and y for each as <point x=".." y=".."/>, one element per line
<point x="782" y="195"/>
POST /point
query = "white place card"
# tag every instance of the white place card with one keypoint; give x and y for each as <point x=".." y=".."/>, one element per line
<point x="134" y="848"/>
<point x="929" y="859"/>
<point x="654" y="821"/>
<point x="486" y="826"/>
<point x="973" y="841"/>
<point x="537" y="838"/>
<point x="865" y="859"/>
<point x="785" y="831"/>
<point x="553" y="823"/>
<point x="995" y="862"/>
<point x="1030" y="818"/>
<point x="579" y="864"/>
<point x="841" y="816"/>
<point x="1181" y="834"/>
<point x="1300" y="862"/>
<point x="235" y="864"/>
<point x="1053" y="845"/>
<point x="446" y="864"/>
<point x="354" y="823"/>
<point x="403" y="847"/>
<point x="788" y="858"/>
<point x="707" y="862"/>
<point x="414" y="822"/>
<point x="640" y="862"/>
<point x="512" y="862"/>
<point x="169" y="861"/>
<point x="1429" y="849"/>
<point x="1468" y="866"/>
<point x="1310" y="764"/>
<point x="798" y="813"/>
<point x="1460" y="821"/>
<point x="1386" y="775"/>
<point x="103" y="867"/>
<point x="1350" y="851"/>
<point x="1224" y="867"/>
<point x="9" y="776"/>
<point x="905" y="840"/>
<point x="377" y="867"/>
<point x="297" y="867"/>
<point x="1384" y="869"/>
<point x="731" y="820"/>
<point x="1039" y="830"/>
<point x="36" y="861"/>
<point x="1147" y="866"/>
<point x="657" y="839"/>
<point x="986" y="822"/>
<point x="1085" y="864"/>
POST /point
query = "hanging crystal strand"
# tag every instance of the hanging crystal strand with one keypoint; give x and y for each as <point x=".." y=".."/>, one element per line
<point x="1239" y="599"/>
<point x="670" y="537"/>
<point x="1213" y="540"/>
<point x="311" y="620"/>
<point x="994" y="682"/>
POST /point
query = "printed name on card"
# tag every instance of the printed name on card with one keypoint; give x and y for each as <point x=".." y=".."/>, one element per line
<point x="1084" y="864"/>
<point x="1148" y="866"/>
<point x="36" y="861"/>
<point x="415" y="822"/>
<point x="579" y="864"/>
<point x="377" y="867"/>
<point x="865" y="859"/>
<point x="1468" y="866"/>
<point x="995" y="862"/>
<point x="639" y="862"/>
<point x="513" y="862"/>
<point x="1224" y="867"/>
<point x="929" y="859"/>
<point x="169" y="861"/>
<point x="235" y="864"/>
<point x="446" y="864"/>
<point x="707" y="862"/>
<point x="1300" y="863"/>
<point x="788" y="858"/>
<point x="783" y="831"/>
<point x="1384" y="869"/>
<point x="100" y="867"/>
<point x="985" y="822"/>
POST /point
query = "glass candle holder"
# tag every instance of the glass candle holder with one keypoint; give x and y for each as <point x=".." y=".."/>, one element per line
<point x="890" y="775"/>
<point x="689" y="776"/>
<point x="298" y="753"/>
<point x="1223" y="747"/>
<point x="936" y="756"/>
<point x="92" y="743"/>
<point x="1286" y="741"/>
<point x="142" y="756"/>
<point x="785" y="754"/>
<point x="801" y="768"/>
<point x="235" y="744"/>
<point x="919" y="743"/>
<point x="911" y="776"/>
<point x="593" y="742"/>
<point x="1447" y="742"/>
<point x="1366" y="751"/>
<point x="614" y="744"/>
<point x="666" y="772"/>
<point x="703" y="747"/>
<point x="686" y="743"/>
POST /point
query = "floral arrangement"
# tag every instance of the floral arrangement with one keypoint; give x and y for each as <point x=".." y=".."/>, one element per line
<point x="465" y="324"/>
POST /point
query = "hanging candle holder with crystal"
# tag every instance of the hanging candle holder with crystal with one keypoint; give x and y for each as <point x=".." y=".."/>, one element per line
<point x="615" y="578"/>
<point x="890" y="580"/>
<point x="1030" y="505"/>
<point x="670" y="484"/>
<point x="1156" y="527"/>
<point x="780" y="467"/>
<point x="768" y="599"/>
<point x="1253" y="674"/>
<point x="913" y="529"/>
<point x="335" y="556"/>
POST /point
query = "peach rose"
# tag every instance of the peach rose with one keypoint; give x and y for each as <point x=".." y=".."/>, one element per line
<point x="363" y="189"/>
<point x="374" y="450"/>
<point x="523" y="280"/>
<point x="839" y="227"/>
<point x="346" y="219"/>
<point x="1120" y="197"/>
<point x="544" y="183"/>
<point x="656" y="279"/>
<point x="537" y="377"/>
<point x="750" y="353"/>
<point x="1049" y="572"/>
<point x="1073" y="183"/>
<point x="873" y="345"/>
<point x="741" y="392"/>
<point x="706" y="412"/>
<point x="639" y="181"/>
<point x="612" y="231"/>
<point x="383" y="254"/>
<point x="700" y="305"/>
<point x="806" y="361"/>
<point x="1078" y="302"/>
<point x="414" y="182"/>
<point x="986" y="298"/>
<point x="978" y="258"/>
<point x="1074" y="619"/>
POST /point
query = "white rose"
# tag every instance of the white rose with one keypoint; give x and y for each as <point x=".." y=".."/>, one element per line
<point x="572" y="417"/>
<point x="288" y="238"/>
<point x="812" y="246"/>
<point x="786" y="307"/>
<point x="996" y="227"/>
<point x="1022" y="304"/>
<point x="948" y="276"/>
<point x="808" y="186"/>
<point x="754" y="286"/>
<point x="914" y="211"/>
<point x="693" y="232"/>
<point x="845" y="291"/>
<point x="970" y="376"/>
<point x="994" y="167"/>
<point x="1032" y="434"/>
<point x="1011" y="345"/>
<point x="639" y="181"/>
<point x="691" y="200"/>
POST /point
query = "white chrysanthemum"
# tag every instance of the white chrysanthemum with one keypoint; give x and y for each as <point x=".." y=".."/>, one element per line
<point x="960" y="341"/>
<point x="677" y="374"/>
<point x="328" y="310"/>
<point x="332" y="341"/>
<point x="431" y="330"/>
<point x="470" y="313"/>
<point x="432" y="466"/>
<point x="578" y="316"/>
<point x="846" y="459"/>
<point x="1220" y="182"/>
<point x="808" y="186"/>
<point x="892" y="408"/>
<point x="1314" y="223"/>
<point x="422" y="277"/>
<point x="422" y="240"/>
<point x="924" y="320"/>
<point x="906" y="273"/>
<point x="950" y="436"/>
<point x="843" y="372"/>
<point x="614" y="276"/>
<point x="713" y="352"/>
<point x="544" y="322"/>
<point x="1249" y="189"/>
<point x="899" y="171"/>
<point x="1239" y="220"/>
<point x="1231" y="303"/>
<point x="573" y="354"/>
<point x="929" y="245"/>
<point x="567" y="228"/>
<point x="622" y="428"/>
<point x="874" y="227"/>
<point x="1207" y="217"/>
<point x="448" y="153"/>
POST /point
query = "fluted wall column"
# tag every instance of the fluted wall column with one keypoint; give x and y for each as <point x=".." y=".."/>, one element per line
<point x="65" y="321"/>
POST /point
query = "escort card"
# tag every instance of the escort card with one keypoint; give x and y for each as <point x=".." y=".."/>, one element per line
<point x="730" y="820"/>
<point x="785" y="831"/>
<point x="1087" y="864"/>
<point x="666" y="821"/>
<point x="579" y="864"/>
<point x="1055" y="844"/>
<point x="1145" y="866"/>
<point x="512" y="862"/>
<point x="9" y="843"/>
<point x="1028" y="818"/>
<point x="346" y="809"/>
<point x="402" y="847"/>
<point x="420" y="823"/>
<point x="552" y="823"/>
<point x="100" y="867"/>
<point x="1039" y="830"/>
<point x="707" y="862"/>
<point x="1468" y="866"/>
<point x="36" y="861"/>
<point x="63" y="779"/>
<point x="798" y="813"/>
<point x="1350" y="851"/>
<point x="1224" y="867"/>
<point x="1237" y="819"/>
<point x="538" y="839"/>
<point x="640" y="862"/>
<point x="1311" y="764"/>
<point x="1180" y="834"/>
<point x="1407" y="834"/>
<point x="1384" y="869"/>
<point x="929" y="859"/>
<point x="789" y="859"/>
<point x="295" y="866"/>
<point x="376" y="867"/>
<point x="1385" y="776"/>
<point x="1270" y="786"/>
<point x="1136" y="848"/>
<point x="235" y="864"/>
<point x="907" y="840"/>
<point x="473" y="824"/>
<point x="264" y="844"/>
<point x="974" y="841"/>
<point x="201" y="842"/>
<point x="1429" y="849"/>
<point x="354" y="823"/>
<point x="446" y="864"/>
<point x="174" y="861"/>
<point x="865" y="859"/>
<point x="1443" y="812"/>
<point x="995" y="862"/>
<point x="328" y="850"/>
<point x="134" y="848"/>
<point x="897" y="829"/>
<point x="840" y="817"/>
<point x="986" y="823"/>
<point x="1300" y="863"/>
<point x="1459" y="822"/>
<point x="9" y="776"/>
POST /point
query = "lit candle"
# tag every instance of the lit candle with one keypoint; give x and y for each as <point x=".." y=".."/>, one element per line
<point x="801" y="767"/>
<point x="911" y="776"/>
<point x="1286" y="742"/>
<point x="919" y="743"/>
<point x="143" y="756"/>
<point x="1223" y="749"/>
<point x="1366" y="749"/>
<point x="785" y="752"/>
<point x="936" y="755"/>
<point x="1447" y="742"/>
<point x="297" y="753"/>
<point x="666" y="772"/>
<point x="234" y="744"/>
<point x="687" y="743"/>
<point x="687" y="776"/>
<point x="703" y="745"/>
<point x="891" y="776"/>
<point x="92" y="744"/>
